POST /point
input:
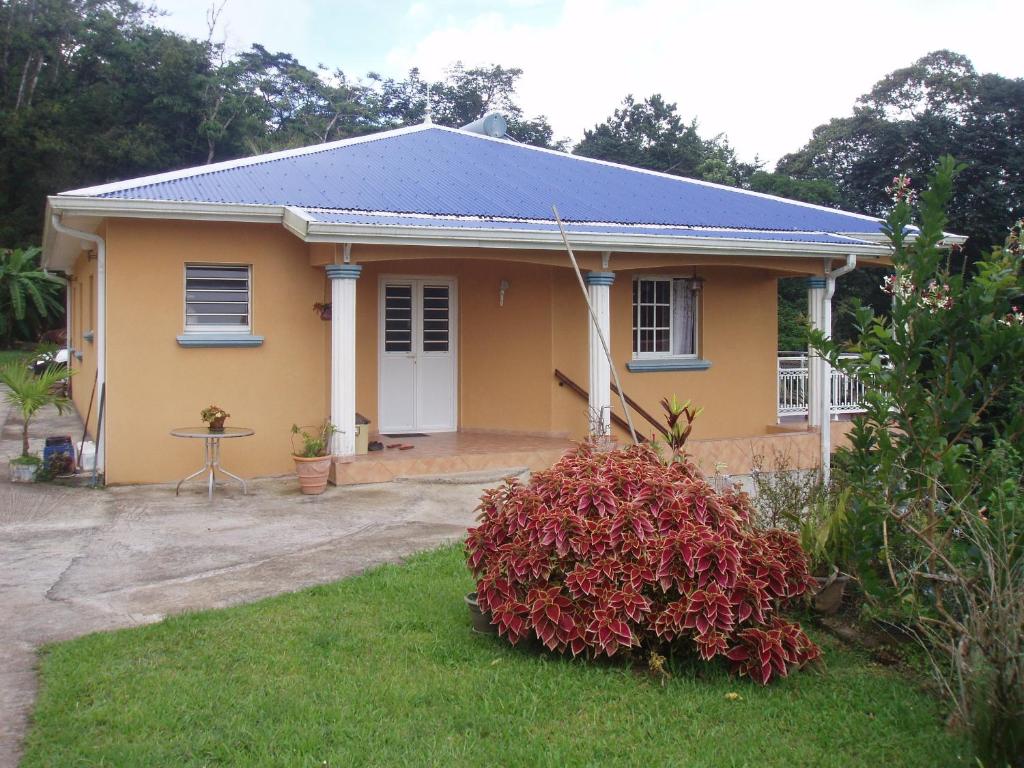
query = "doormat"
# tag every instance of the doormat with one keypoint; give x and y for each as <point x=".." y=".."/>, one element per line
<point x="405" y="434"/>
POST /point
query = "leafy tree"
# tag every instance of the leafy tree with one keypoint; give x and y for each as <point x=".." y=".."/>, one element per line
<point x="651" y="134"/>
<point x="463" y="96"/>
<point x="938" y="105"/>
<point x="30" y="299"/>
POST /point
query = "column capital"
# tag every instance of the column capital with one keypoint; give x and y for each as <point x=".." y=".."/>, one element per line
<point x="815" y="282"/>
<point x="343" y="271"/>
<point x="599" y="278"/>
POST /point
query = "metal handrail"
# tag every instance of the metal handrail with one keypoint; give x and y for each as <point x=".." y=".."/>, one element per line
<point x="617" y="420"/>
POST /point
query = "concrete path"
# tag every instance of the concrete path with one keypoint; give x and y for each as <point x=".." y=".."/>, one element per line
<point x="77" y="560"/>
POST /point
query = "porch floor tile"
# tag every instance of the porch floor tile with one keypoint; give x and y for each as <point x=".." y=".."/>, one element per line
<point x="450" y="453"/>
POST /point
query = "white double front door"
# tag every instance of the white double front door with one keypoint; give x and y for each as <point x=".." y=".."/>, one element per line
<point x="418" y="321"/>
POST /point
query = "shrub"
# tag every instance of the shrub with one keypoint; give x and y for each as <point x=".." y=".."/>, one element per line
<point x="934" y="469"/>
<point x="611" y="551"/>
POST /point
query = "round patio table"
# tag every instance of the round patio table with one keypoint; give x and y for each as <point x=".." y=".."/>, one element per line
<point x="211" y="453"/>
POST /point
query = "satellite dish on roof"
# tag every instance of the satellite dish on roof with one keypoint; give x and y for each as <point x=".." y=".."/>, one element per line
<point x="492" y="124"/>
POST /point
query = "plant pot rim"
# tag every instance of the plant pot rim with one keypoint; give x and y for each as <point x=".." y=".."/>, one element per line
<point x="311" y="458"/>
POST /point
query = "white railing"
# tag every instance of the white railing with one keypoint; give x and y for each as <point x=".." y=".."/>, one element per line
<point x="847" y="392"/>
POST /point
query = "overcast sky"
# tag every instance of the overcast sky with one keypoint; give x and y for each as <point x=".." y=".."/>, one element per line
<point x="764" y="73"/>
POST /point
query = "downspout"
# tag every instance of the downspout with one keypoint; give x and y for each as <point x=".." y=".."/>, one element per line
<point x="825" y="380"/>
<point x="101" y="321"/>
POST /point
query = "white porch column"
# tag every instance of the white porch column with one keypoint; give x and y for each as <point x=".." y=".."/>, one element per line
<point x="598" y="289"/>
<point x="815" y="384"/>
<point x="343" y="355"/>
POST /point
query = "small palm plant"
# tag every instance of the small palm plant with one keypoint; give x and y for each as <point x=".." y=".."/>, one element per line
<point x="29" y="391"/>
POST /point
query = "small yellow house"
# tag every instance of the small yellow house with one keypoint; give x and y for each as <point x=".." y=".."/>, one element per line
<point x="453" y="303"/>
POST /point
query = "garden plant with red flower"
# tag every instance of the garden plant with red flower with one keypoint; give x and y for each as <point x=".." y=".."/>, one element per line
<point x="617" y="550"/>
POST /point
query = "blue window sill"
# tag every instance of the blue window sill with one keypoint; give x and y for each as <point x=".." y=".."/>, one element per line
<point x="219" y="340"/>
<point x="667" y="364"/>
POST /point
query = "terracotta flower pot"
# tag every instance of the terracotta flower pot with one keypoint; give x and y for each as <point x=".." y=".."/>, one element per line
<point x="217" y="425"/>
<point x="312" y="473"/>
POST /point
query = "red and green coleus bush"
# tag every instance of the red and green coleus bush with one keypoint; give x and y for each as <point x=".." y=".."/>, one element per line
<point x="616" y="550"/>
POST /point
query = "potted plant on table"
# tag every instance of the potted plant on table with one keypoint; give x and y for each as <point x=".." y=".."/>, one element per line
<point x="312" y="457"/>
<point x="214" y="416"/>
<point x="27" y="393"/>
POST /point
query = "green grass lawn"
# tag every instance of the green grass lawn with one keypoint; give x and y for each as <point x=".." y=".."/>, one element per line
<point x="383" y="670"/>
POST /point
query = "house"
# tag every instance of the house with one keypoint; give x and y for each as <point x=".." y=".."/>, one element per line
<point x="453" y="299"/>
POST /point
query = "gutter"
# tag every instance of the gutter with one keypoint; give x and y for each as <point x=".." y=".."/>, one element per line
<point x="831" y="275"/>
<point x="101" y="321"/>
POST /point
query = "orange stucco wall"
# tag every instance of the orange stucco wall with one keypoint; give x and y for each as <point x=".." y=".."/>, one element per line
<point x="506" y="354"/>
<point x="154" y="385"/>
<point x="738" y="331"/>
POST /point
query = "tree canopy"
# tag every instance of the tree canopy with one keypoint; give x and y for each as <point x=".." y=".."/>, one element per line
<point x="938" y="105"/>
<point x="651" y="134"/>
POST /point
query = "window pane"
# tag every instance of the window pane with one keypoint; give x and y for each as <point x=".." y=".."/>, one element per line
<point x="207" y="320"/>
<point x="661" y="341"/>
<point x="435" y="318"/>
<point x="646" y="291"/>
<point x="661" y="317"/>
<point x="662" y="291"/>
<point x="398" y="318"/>
<point x="205" y="272"/>
<point x="216" y="296"/>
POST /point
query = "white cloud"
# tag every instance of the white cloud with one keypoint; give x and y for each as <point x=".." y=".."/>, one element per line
<point x="765" y="73"/>
<point x="276" y="25"/>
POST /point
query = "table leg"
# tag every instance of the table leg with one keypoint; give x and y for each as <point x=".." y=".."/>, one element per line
<point x="207" y="467"/>
<point x="219" y="468"/>
<point x="212" y="444"/>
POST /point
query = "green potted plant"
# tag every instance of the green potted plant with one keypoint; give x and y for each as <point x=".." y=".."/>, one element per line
<point x="214" y="416"/>
<point x="27" y="393"/>
<point x="311" y="452"/>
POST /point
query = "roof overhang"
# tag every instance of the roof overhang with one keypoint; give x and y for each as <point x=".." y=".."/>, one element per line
<point x="86" y="212"/>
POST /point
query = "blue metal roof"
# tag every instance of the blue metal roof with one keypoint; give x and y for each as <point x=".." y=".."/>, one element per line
<point x="433" y="222"/>
<point x="444" y="172"/>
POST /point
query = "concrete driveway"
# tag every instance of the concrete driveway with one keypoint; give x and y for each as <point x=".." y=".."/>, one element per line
<point x="76" y="560"/>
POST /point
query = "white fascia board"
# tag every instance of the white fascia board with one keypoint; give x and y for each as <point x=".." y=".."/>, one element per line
<point x="320" y="232"/>
<point x="164" y="209"/>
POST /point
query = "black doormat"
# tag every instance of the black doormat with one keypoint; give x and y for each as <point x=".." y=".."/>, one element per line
<point x="406" y="434"/>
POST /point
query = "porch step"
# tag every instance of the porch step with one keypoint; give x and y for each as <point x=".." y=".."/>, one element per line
<point x="466" y="478"/>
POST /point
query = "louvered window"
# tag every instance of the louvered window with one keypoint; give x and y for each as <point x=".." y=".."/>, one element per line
<point x="217" y="298"/>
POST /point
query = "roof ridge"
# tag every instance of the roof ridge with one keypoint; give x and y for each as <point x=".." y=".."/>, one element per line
<point x="660" y="174"/>
<point x="142" y="182"/>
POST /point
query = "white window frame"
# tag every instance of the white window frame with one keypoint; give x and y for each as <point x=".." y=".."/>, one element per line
<point x="639" y="355"/>
<point x="199" y="330"/>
